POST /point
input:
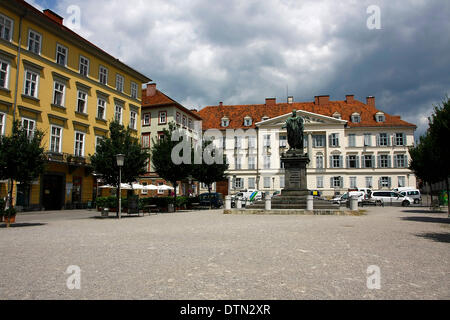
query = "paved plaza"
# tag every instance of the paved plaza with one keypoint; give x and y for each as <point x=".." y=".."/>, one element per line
<point x="208" y="255"/>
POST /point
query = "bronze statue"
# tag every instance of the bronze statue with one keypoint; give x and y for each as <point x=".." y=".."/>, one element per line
<point x="295" y="128"/>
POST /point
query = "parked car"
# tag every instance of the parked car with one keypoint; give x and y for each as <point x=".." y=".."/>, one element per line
<point x="216" y="199"/>
<point x="391" y="197"/>
<point x="342" y="199"/>
<point x="413" y="194"/>
<point x="276" y="193"/>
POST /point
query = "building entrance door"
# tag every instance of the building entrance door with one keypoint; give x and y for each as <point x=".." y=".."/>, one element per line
<point x="53" y="192"/>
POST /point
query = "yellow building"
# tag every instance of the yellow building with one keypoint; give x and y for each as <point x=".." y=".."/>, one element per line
<point x="54" y="80"/>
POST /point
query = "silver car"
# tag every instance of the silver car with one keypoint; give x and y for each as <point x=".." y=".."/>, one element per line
<point x="391" y="198"/>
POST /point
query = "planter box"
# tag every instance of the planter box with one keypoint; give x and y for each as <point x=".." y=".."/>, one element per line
<point x="11" y="219"/>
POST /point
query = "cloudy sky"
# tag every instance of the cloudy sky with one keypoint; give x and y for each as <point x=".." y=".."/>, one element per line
<point x="201" y="52"/>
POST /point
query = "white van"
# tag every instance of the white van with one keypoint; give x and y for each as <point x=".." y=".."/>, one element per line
<point x="341" y="199"/>
<point x="392" y="198"/>
<point x="413" y="194"/>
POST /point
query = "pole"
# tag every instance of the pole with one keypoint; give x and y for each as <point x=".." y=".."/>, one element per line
<point x="120" y="192"/>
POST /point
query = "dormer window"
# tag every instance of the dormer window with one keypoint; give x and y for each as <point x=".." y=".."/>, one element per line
<point x="337" y="115"/>
<point x="265" y="118"/>
<point x="225" y="122"/>
<point x="356" y="118"/>
<point x="380" y="117"/>
<point x="247" y="121"/>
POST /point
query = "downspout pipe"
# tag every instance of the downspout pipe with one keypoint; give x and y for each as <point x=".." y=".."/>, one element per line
<point x="19" y="50"/>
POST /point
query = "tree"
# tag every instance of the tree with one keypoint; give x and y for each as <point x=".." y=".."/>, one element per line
<point x="120" y="141"/>
<point x="22" y="158"/>
<point x="209" y="173"/>
<point x="439" y="131"/>
<point x="162" y="162"/>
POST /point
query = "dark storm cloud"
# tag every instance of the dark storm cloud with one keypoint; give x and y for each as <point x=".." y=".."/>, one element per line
<point x="202" y="52"/>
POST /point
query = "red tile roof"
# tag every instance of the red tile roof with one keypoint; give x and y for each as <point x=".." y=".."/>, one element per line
<point x="212" y="115"/>
<point x="159" y="99"/>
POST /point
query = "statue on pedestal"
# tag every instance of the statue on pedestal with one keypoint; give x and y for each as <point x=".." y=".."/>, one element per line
<point x="295" y="129"/>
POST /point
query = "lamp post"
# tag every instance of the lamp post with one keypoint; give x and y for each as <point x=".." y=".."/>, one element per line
<point x="120" y="159"/>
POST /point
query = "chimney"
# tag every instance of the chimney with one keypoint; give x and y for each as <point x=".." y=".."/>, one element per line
<point x="350" y="98"/>
<point x="57" y="18"/>
<point x="370" y="101"/>
<point x="321" y="100"/>
<point x="271" y="101"/>
<point x="220" y="104"/>
<point x="151" y="89"/>
<point x="290" y="99"/>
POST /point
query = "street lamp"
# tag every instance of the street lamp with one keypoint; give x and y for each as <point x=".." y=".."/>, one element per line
<point x="120" y="159"/>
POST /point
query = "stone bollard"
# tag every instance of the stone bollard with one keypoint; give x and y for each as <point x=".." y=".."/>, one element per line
<point x="309" y="202"/>
<point x="227" y="202"/>
<point x="238" y="204"/>
<point x="353" y="203"/>
<point x="268" y="202"/>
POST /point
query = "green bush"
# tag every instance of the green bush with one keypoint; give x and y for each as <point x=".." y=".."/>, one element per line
<point x="110" y="202"/>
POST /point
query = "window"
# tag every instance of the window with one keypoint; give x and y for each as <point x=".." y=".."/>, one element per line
<point x="178" y="118"/>
<point x="239" y="183"/>
<point x="356" y="118"/>
<point x="384" y="161"/>
<point x="190" y="124"/>
<point x="101" y="109"/>
<point x="82" y="102"/>
<point x="368" y="161"/>
<point x="133" y="116"/>
<point x="247" y="121"/>
<point x="251" y="183"/>
<point x="319" y="162"/>
<point x="282" y="182"/>
<point x="367" y="139"/>
<point x="163" y="117"/>
<point x="84" y="66"/>
<point x="144" y="191"/>
<point x="336" y="161"/>
<point x="318" y="141"/>
<point x="369" y="183"/>
<point x="266" y="182"/>
<point x="379" y="117"/>
<point x="161" y="191"/>
<point x="352" y="161"/>
<point x="2" y="123"/>
<point x="161" y="135"/>
<point x="134" y="90"/>
<point x="383" y="139"/>
<point x="145" y="140"/>
<point x="4" y="74"/>
<point x="385" y="182"/>
<point x="266" y="162"/>
<point x="252" y="142"/>
<point x="251" y="163"/>
<point x="337" y="115"/>
<point x="79" y="144"/>
<point x="184" y="121"/>
<point x="61" y="55"/>
<point x="6" y="26"/>
<point x="146" y="119"/>
<point x="103" y="75"/>
<point x="401" y="181"/>
<point x="98" y="139"/>
<point x="400" y="161"/>
<point x="283" y="141"/>
<point x="34" y="42"/>
<point x="58" y="94"/>
<point x="29" y="126"/>
<point x="352" y="140"/>
<point x="319" y="182"/>
<point x="334" y="139"/>
<point x="337" y="182"/>
<point x="31" y="83"/>
<point x="225" y="122"/>
<point x="237" y="163"/>
<point x="237" y="142"/>
<point x="55" y="139"/>
<point x="119" y="83"/>
<point x="400" y="139"/>
<point x="118" y="113"/>
<point x="266" y="140"/>
<point x="353" y="182"/>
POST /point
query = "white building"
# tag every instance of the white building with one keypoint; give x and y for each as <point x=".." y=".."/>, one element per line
<point x="351" y="144"/>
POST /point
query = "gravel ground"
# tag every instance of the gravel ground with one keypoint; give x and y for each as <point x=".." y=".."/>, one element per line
<point x="208" y="255"/>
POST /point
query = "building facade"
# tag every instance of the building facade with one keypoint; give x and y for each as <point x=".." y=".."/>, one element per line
<point x="58" y="82"/>
<point x="158" y="110"/>
<point x="350" y="144"/>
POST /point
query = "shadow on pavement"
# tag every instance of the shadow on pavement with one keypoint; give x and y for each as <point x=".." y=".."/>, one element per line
<point x="427" y="219"/>
<point x="438" y="237"/>
<point x="20" y="225"/>
<point x="423" y="211"/>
